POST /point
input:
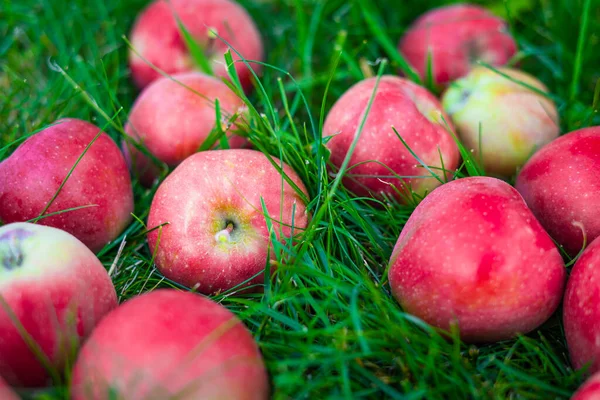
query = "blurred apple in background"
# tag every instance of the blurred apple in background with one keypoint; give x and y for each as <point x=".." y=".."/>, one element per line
<point x="456" y="37"/>
<point x="32" y="175"/>
<point x="217" y="235"/>
<point x="168" y="344"/>
<point x="174" y="116"/>
<point x="158" y="40"/>
<point x="53" y="291"/>
<point x="502" y="121"/>
<point x="561" y="185"/>
<point x="473" y="254"/>
<point x="581" y="309"/>
<point x="418" y="118"/>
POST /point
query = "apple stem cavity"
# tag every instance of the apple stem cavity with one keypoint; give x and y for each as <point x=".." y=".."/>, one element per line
<point x="465" y="94"/>
<point x="224" y="235"/>
<point x="11" y="253"/>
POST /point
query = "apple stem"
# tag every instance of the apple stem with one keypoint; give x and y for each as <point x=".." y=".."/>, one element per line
<point x="224" y="235"/>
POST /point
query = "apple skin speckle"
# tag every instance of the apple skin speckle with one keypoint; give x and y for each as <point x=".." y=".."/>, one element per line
<point x="418" y="118"/>
<point x="581" y="309"/>
<point x="201" y="197"/>
<point x="473" y="253"/>
<point x="561" y="185"/>
<point x="31" y="176"/>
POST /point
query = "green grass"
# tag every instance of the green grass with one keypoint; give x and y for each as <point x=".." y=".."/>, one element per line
<point x="327" y="325"/>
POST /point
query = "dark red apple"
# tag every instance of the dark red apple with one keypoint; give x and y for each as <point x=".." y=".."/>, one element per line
<point x="561" y="185"/>
<point x="170" y="345"/>
<point x="31" y="176"/>
<point x="473" y="254"/>
<point x="53" y="290"/>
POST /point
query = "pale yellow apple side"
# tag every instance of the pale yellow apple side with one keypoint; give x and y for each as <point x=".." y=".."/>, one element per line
<point x="507" y="120"/>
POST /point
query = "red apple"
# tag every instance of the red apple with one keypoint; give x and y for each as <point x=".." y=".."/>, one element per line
<point x="418" y="118"/>
<point x="173" y="120"/>
<point x="217" y="236"/>
<point x="56" y="289"/>
<point x="590" y="390"/>
<point x="31" y="176"/>
<point x="561" y="185"/>
<point x="157" y="38"/>
<point x="6" y="393"/>
<point x="581" y="309"/>
<point x="454" y="38"/>
<point x="170" y="344"/>
<point x="472" y="253"/>
<point x="501" y="121"/>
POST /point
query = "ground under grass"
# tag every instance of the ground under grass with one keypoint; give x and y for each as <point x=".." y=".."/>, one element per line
<point x="327" y="324"/>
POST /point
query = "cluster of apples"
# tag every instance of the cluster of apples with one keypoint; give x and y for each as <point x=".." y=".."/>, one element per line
<point x="55" y="295"/>
<point x="66" y="193"/>
<point x="476" y="252"/>
<point x="502" y="115"/>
